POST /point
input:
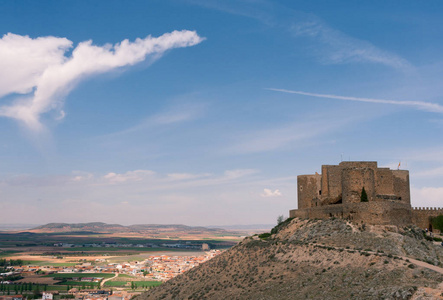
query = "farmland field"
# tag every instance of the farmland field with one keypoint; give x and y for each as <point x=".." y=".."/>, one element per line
<point x="80" y="275"/>
<point x="139" y="284"/>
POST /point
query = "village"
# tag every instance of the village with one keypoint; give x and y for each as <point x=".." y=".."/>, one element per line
<point x="98" y="279"/>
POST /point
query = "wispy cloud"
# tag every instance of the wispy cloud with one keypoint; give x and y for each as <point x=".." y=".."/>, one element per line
<point x="39" y="68"/>
<point x="420" y="105"/>
<point x="177" y="114"/>
<point x="285" y="136"/>
<point x="329" y="45"/>
<point x="336" y="47"/>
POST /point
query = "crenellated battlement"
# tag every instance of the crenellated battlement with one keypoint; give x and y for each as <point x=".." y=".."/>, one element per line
<point x="427" y="208"/>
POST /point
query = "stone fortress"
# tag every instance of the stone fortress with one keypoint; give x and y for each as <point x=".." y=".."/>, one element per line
<point x="337" y="192"/>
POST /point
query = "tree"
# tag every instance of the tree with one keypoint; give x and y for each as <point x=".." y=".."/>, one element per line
<point x="437" y="222"/>
<point x="37" y="292"/>
<point x="280" y="219"/>
<point x="364" y="196"/>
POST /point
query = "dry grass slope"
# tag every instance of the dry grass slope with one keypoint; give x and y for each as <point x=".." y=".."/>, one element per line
<point x="328" y="259"/>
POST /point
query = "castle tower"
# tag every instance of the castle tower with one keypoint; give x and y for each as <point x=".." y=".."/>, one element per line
<point x="337" y="193"/>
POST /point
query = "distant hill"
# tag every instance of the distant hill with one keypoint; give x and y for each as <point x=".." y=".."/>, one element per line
<point x="99" y="227"/>
<point x="317" y="259"/>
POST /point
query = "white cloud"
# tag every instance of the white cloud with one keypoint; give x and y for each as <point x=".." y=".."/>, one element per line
<point x="430" y="172"/>
<point x="136" y="175"/>
<point x="38" y="67"/>
<point x="421" y="105"/>
<point x="427" y="196"/>
<point x="23" y="60"/>
<point x="234" y="174"/>
<point x="269" y="193"/>
<point x="186" y="176"/>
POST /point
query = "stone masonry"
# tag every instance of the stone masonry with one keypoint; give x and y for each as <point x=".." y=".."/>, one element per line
<point x="336" y="192"/>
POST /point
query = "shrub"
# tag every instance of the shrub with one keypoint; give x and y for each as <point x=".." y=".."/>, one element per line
<point x="364" y="195"/>
<point x="264" y="236"/>
<point x="281" y="225"/>
<point x="437" y="222"/>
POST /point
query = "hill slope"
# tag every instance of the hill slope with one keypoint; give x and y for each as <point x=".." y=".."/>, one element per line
<point x="328" y="259"/>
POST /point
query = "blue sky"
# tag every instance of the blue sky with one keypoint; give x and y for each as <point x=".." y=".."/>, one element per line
<point x="204" y="112"/>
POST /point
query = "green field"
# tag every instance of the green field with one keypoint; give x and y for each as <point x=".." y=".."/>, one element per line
<point x="57" y="288"/>
<point x="139" y="284"/>
<point x="147" y="283"/>
<point x="80" y="275"/>
<point x="115" y="283"/>
<point x="77" y="283"/>
<point x="124" y="276"/>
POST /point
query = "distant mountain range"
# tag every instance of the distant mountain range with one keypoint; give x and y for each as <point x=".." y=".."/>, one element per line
<point x="101" y="227"/>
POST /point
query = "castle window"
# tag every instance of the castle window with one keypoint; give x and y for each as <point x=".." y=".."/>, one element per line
<point x="319" y="192"/>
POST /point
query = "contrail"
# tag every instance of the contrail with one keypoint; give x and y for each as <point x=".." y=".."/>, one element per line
<point x="421" y="105"/>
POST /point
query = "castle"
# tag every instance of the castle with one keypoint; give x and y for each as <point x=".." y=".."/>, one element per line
<point x="362" y="193"/>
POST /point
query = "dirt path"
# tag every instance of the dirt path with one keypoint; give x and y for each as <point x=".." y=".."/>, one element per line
<point x="423" y="264"/>
<point x="102" y="283"/>
<point x="414" y="261"/>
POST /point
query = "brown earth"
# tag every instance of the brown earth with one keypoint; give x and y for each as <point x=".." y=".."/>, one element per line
<point x="38" y="279"/>
<point x="329" y="259"/>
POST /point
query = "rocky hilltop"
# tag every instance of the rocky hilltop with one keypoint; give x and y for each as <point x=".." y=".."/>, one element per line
<point x="317" y="259"/>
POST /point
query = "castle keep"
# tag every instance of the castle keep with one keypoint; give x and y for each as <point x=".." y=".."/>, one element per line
<point x="337" y="192"/>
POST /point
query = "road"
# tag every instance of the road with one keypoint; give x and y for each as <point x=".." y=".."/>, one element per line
<point x="102" y="283"/>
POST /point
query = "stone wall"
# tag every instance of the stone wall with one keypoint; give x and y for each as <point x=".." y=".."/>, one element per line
<point x="331" y="183"/>
<point x="308" y="188"/>
<point x="384" y="182"/>
<point x="354" y="179"/>
<point x="373" y="213"/>
<point x="421" y="216"/>
<point x="401" y="185"/>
